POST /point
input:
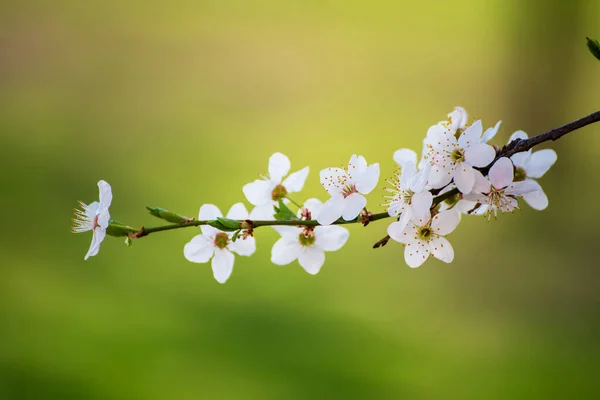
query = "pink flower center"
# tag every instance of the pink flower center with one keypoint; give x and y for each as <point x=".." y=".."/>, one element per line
<point x="348" y="190"/>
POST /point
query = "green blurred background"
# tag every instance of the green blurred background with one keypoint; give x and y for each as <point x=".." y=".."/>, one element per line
<point x="177" y="104"/>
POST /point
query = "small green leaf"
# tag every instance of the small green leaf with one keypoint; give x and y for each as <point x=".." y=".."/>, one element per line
<point x="235" y="235"/>
<point x="594" y="47"/>
<point x="230" y="223"/>
<point x="168" y="215"/>
<point x="117" y="229"/>
<point x="283" y="213"/>
<point x="217" y="223"/>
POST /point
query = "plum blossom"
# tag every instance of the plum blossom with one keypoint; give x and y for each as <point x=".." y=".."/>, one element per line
<point x="452" y="158"/>
<point x="218" y="245"/>
<point x="424" y="236"/>
<point x="94" y="217"/>
<point x="409" y="194"/>
<point x="266" y="192"/>
<point x="308" y="244"/>
<point x="347" y="187"/>
<point x="530" y="166"/>
<point x="499" y="191"/>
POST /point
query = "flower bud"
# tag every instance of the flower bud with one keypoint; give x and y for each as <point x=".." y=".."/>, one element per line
<point x="117" y="229"/>
<point x="168" y="215"/>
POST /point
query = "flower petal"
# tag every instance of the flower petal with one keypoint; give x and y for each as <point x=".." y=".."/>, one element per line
<point x="421" y="202"/>
<point x="259" y="192"/>
<point x="264" y="212"/>
<point x="368" y="180"/>
<point x="357" y="166"/>
<point x="105" y="194"/>
<point x="409" y="170"/>
<point x="279" y="166"/>
<point x="480" y="155"/>
<point x="464" y="177"/>
<point x="517" y="135"/>
<point x="312" y="259"/>
<point x="314" y="206"/>
<point x="441" y="249"/>
<point x="353" y="205"/>
<point x="520" y="188"/>
<point x="458" y="118"/>
<point x="482" y="184"/>
<point x="222" y="264"/>
<point x="400" y="232"/>
<point x="333" y="180"/>
<point x="502" y="173"/>
<point x="285" y="251"/>
<point x="98" y="236"/>
<point x="331" y="238"/>
<point x="416" y="253"/>
<point x="104" y="218"/>
<point x="440" y="177"/>
<point x="403" y="156"/>
<point x="243" y="246"/>
<point x="445" y="222"/>
<point x="331" y="211"/>
<point x="471" y="135"/>
<point x="295" y="181"/>
<point x="200" y="249"/>
<point x="540" y="162"/>
<point x="238" y="211"/>
<point x="209" y="212"/>
<point x="536" y="200"/>
<point x="490" y="133"/>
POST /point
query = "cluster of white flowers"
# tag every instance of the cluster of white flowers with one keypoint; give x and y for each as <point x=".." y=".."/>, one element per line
<point x="458" y="173"/>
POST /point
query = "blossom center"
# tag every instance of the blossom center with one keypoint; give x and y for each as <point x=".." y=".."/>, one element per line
<point x="407" y="195"/>
<point x="279" y="193"/>
<point x="307" y="237"/>
<point x="425" y="233"/>
<point x="520" y="174"/>
<point x="221" y="240"/>
<point x="458" y="155"/>
<point x="348" y="190"/>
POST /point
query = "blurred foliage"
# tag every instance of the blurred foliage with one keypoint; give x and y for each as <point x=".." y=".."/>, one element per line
<point x="180" y="104"/>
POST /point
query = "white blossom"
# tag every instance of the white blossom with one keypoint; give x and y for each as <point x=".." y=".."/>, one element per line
<point x="308" y="244"/>
<point x="266" y="192"/>
<point x="530" y="166"/>
<point x="94" y="217"/>
<point x="424" y="236"/>
<point x="347" y="187"/>
<point x="218" y="245"/>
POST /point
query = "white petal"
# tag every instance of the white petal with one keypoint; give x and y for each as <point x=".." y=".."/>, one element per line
<point x="445" y="222"/>
<point x="409" y="170"/>
<point x="438" y="134"/>
<point x="464" y="177"/>
<point x="264" y="212"/>
<point x="312" y="259"/>
<point x="259" y="192"/>
<point x="400" y="232"/>
<point x="332" y="210"/>
<point x="353" y="205"/>
<point x="480" y="155"/>
<point x="540" y="162"/>
<point x="520" y="159"/>
<point x="104" y="218"/>
<point x="222" y="264"/>
<point x="105" y="194"/>
<point x="333" y="180"/>
<point x="288" y="232"/>
<point x="357" y="166"/>
<point x="199" y="250"/>
<point x="98" y="236"/>
<point x="285" y="251"/>
<point x="471" y="135"/>
<point x="314" y="206"/>
<point x="238" y="211"/>
<point x="441" y="249"/>
<point x="416" y="253"/>
<point x="458" y="118"/>
<point x="421" y="202"/>
<point x="440" y="177"/>
<point x="368" y="180"/>
<point x="490" y="133"/>
<point x="520" y="188"/>
<point x="279" y="166"/>
<point x="419" y="180"/>
<point x="243" y="247"/>
<point x="502" y="173"/>
<point x="209" y="212"/>
<point x="331" y="238"/>
<point x="517" y="135"/>
<point x="403" y="156"/>
<point x="482" y="184"/>
<point x="295" y="182"/>
<point x="536" y="200"/>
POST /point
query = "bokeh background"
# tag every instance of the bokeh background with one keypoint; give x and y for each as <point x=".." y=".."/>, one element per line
<point x="177" y="104"/>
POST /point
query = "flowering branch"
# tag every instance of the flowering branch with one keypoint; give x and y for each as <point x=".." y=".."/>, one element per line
<point x="459" y="174"/>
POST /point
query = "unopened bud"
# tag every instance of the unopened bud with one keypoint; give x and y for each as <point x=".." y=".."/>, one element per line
<point x="117" y="229"/>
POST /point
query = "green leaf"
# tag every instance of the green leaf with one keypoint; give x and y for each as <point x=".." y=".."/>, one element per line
<point x="283" y="213"/>
<point x="118" y="229"/>
<point x="594" y="47"/>
<point x="235" y="235"/>
<point x="168" y="215"/>
<point x="218" y="223"/>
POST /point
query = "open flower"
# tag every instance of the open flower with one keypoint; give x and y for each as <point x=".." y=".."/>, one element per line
<point x="453" y="158"/>
<point x="265" y="193"/>
<point x="216" y="244"/>
<point x="308" y="244"/>
<point x="409" y="195"/>
<point x="530" y="166"/>
<point x="424" y="236"/>
<point x="94" y="217"/>
<point x="499" y="191"/>
<point x="347" y="187"/>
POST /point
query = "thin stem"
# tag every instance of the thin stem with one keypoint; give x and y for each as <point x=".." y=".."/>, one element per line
<point x="293" y="202"/>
